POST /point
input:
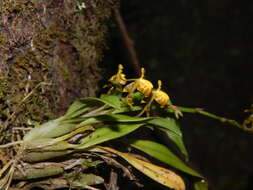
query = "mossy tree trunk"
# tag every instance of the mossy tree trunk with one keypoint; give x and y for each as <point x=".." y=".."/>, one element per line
<point x="49" y="54"/>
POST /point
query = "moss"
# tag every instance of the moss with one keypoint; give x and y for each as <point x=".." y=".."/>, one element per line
<point x="3" y="87"/>
<point x="50" y="55"/>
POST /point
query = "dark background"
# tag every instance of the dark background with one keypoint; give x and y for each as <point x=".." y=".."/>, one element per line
<point x="202" y="51"/>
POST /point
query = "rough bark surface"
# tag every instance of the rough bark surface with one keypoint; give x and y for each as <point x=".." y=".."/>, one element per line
<point x="49" y="50"/>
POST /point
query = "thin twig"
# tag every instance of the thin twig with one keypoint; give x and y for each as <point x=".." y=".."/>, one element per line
<point x="10" y="144"/>
<point x="213" y="116"/>
<point x="128" y="42"/>
<point x="10" y="176"/>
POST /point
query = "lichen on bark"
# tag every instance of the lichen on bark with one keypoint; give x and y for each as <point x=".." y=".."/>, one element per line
<point x="49" y="51"/>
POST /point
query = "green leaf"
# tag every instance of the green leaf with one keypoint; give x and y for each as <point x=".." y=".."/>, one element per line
<point x="74" y="107"/>
<point x="88" y="121"/>
<point x="59" y="146"/>
<point x="50" y="129"/>
<point x="75" y="120"/>
<point x="161" y="153"/>
<point x="201" y="185"/>
<point x="81" y="106"/>
<point x="111" y="100"/>
<point x="44" y="155"/>
<point x="71" y="134"/>
<point x="84" y="104"/>
<point x="172" y="130"/>
<point x="112" y="118"/>
<point x="121" y="118"/>
<point x="167" y="123"/>
<point x="178" y="140"/>
<point x="108" y="133"/>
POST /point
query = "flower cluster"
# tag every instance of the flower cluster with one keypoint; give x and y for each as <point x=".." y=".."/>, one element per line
<point x="141" y="85"/>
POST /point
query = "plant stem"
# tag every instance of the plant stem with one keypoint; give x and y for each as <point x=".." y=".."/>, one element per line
<point x="213" y="116"/>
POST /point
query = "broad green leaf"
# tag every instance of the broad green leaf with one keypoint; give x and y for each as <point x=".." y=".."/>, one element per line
<point x="44" y="143"/>
<point x="121" y="118"/>
<point x="201" y="185"/>
<point x="88" y="121"/>
<point x="112" y="118"/>
<point x="108" y="133"/>
<point x="161" y="153"/>
<point x="59" y="146"/>
<point x="75" y="120"/>
<point x="178" y="140"/>
<point x="172" y="130"/>
<point x="75" y="107"/>
<point x="82" y="105"/>
<point x="111" y="100"/>
<point x="159" y="174"/>
<point x="38" y="143"/>
<point x="73" y="133"/>
<point x="167" y="123"/>
<point x="44" y="155"/>
<point x="50" y="129"/>
<point x="80" y="111"/>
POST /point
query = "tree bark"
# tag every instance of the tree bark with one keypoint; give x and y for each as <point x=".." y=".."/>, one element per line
<point x="49" y="54"/>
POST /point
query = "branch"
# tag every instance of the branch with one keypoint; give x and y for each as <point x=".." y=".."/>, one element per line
<point x="128" y="42"/>
<point x="213" y="116"/>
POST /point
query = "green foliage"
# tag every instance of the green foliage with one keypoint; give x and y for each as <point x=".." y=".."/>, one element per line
<point x="108" y="133"/>
<point x="161" y="153"/>
<point x="171" y="128"/>
<point x="101" y="120"/>
<point x="92" y="123"/>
